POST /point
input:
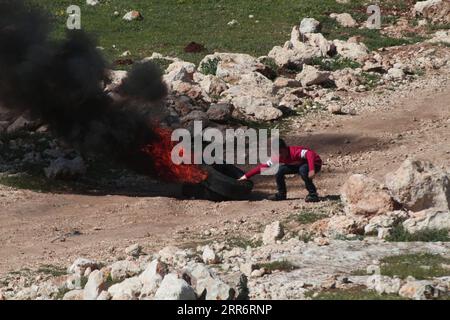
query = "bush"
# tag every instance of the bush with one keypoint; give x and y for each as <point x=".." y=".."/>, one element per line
<point x="421" y="266"/>
<point x="282" y="265"/>
<point x="210" y="66"/>
<point x="335" y="63"/>
<point x="400" y="234"/>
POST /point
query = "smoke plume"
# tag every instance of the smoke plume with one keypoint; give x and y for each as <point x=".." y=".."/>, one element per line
<point x="60" y="82"/>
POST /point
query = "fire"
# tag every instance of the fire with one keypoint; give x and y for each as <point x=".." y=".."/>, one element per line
<point x="160" y="154"/>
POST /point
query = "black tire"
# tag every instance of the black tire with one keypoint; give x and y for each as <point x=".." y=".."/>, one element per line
<point x="221" y="184"/>
<point x="222" y="180"/>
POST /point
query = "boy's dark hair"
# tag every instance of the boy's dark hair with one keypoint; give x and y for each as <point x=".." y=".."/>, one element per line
<point x="282" y="144"/>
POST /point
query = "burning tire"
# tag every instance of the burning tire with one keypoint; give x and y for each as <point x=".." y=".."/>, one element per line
<point x="221" y="184"/>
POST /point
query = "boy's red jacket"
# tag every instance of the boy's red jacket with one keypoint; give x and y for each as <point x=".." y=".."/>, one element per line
<point x="297" y="156"/>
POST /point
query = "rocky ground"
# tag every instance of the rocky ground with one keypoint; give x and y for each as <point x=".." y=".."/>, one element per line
<point x="380" y="121"/>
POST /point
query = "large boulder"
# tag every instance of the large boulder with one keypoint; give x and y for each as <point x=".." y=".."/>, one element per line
<point x="115" y="79"/>
<point x="231" y="66"/>
<point x="381" y="225"/>
<point x="208" y="285"/>
<point x="152" y="277"/>
<point x="63" y="168"/>
<point x="273" y="232"/>
<point x="253" y="96"/>
<point x="80" y="265"/>
<point x="309" y="25"/>
<point x="344" y="20"/>
<point x="311" y="76"/>
<point x="318" y="41"/>
<point x="23" y="122"/>
<point x="419" y="185"/>
<point x="345" y="225"/>
<point x="95" y="285"/>
<point x="365" y="196"/>
<point x="384" y="284"/>
<point x="73" y="295"/>
<point x="419" y="290"/>
<point x="300" y="49"/>
<point x="129" y="289"/>
<point x="346" y="79"/>
<point x="256" y="108"/>
<point x="213" y="85"/>
<point x="436" y="11"/>
<point x="173" y="288"/>
<point x="351" y="50"/>
<point x="428" y="219"/>
<point x="442" y="36"/>
<point x="179" y="71"/>
<point x="123" y="269"/>
<point x="219" y="112"/>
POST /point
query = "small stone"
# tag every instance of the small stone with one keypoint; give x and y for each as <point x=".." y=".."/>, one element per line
<point x="104" y="295"/>
<point x="133" y="250"/>
<point x="129" y="289"/>
<point x="247" y="268"/>
<point x="73" y="295"/>
<point x="132" y="15"/>
<point x="272" y="233"/>
<point x="80" y="265"/>
<point x="92" y="2"/>
<point x="322" y="241"/>
<point x="258" y="273"/>
<point x="209" y="256"/>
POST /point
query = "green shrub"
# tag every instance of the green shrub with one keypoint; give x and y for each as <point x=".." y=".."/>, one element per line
<point x="282" y="265"/>
<point x="209" y="66"/>
<point x="400" y="234"/>
<point x="307" y="217"/>
<point x="335" y="63"/>
<point x="421" y="266"/>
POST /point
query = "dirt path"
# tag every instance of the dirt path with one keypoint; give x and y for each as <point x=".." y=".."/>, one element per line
<point x="45" y="228"/>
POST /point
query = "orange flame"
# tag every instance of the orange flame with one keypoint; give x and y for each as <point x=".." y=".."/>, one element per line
<point x="160" y="153"/>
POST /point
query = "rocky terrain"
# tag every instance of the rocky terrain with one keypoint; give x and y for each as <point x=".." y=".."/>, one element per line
<point x="73" y="229"/>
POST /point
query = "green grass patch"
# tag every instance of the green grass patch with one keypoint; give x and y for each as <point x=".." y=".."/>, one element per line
<point x="61" y="293"/>
<point x="370" y="80"/>
<point x="357" y="293"/>
<point x="420" y="266"/>
<point x="209" y="66"/>
<point x="335" y="63"/>
<point x="163" y="64"/>
<point x="306" y="237"/>
<point x="436" y="27"/>
<point x="400" y="234"/>
<point x="307" y="217"/>
<point x="242" y="242"/>
<point x="342" y="237"/>
<point x="110" y="282"/>
<point x="53" y="271"/>
<point x="282" y="265"/>
<point x="169" y="25"/>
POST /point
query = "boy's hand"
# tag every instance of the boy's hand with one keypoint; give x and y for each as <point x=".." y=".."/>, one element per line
<point x="242" y="178"/>
<point x="311" y="174"/>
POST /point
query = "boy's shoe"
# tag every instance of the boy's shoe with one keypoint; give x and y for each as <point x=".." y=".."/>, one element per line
<point x="313" y="197"/>
<point x="277" y="197"/>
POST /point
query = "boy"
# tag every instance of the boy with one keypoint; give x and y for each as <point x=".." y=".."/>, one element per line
<point x="293" y="160"/>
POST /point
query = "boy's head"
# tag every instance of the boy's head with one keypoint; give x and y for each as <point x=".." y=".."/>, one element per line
<point x="283" y="147"/>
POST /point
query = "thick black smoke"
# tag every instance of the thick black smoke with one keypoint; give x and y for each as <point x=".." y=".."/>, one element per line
<point x="60" y="82"/>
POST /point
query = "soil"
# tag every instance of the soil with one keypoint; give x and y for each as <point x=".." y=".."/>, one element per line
<point x="53" y="229"/>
